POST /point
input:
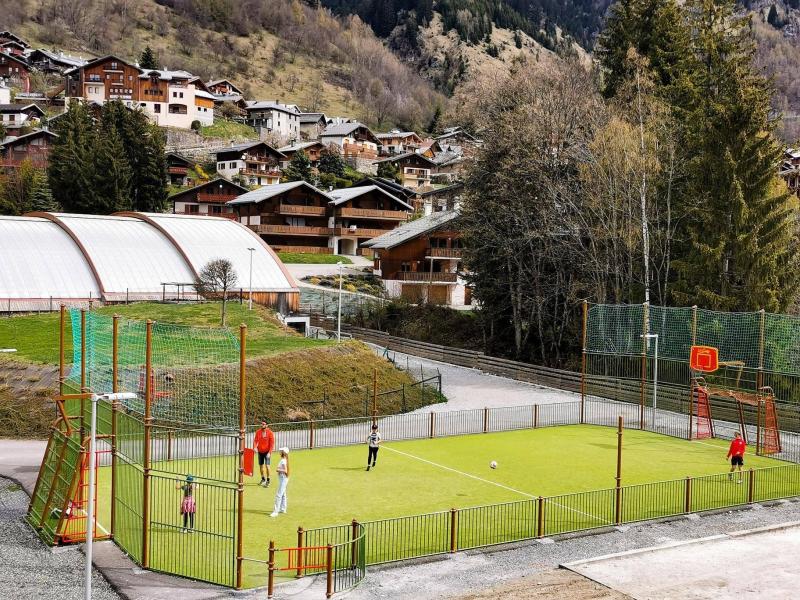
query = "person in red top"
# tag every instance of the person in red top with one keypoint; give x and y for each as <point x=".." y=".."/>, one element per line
<point x="736" y="454"/>
<point x="263" y="443"/>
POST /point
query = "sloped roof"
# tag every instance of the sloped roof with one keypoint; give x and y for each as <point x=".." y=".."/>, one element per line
<point x="342" y="129"/>
<point x="345" y="194"/>
<point x="413" y="229"/>
<point x="301" y="146"/>
<point x="270" y="191"/>
<point x="228" y="81"/>
<point x="399" y="157"/>
<point x="246" y="146"/>
<point x="312" y="117"/>
<point x="66" y="59"/>
<point x="17" y="108"/>
<point x="14" y="140"/>
<point x="269" y="104"/>
<point x="209" y="184"/>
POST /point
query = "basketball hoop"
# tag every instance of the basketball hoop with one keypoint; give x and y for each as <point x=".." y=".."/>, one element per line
<point x="704" y="359"/>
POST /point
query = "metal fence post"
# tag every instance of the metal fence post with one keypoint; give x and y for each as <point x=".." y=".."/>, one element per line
<point x="300" y="553"/>
<point x="485" y="419"/>
<point x="148" y="423"/>
<point x="271" y="570"/>
<point x="329" y="571"/>
<point x="404" y="397"/>
<point x="643" y="383"/>
<point x="311" y="434"/>
<point x="114" y="409"/>
<point x="453" y="529"/>
<point x="242" y="432"/>
<point x="583" y="358"/>
<point x="432" y="419"/>
<point x="687" y="500"/>
<point x="353" y="545"/>
<point x="750" y="485"/>
<point x="540" y="517"/>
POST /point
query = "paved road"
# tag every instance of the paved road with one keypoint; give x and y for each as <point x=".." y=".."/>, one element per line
<point x="305" y="270"/>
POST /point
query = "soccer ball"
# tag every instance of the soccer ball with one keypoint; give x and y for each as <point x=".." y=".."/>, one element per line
<point x="493" y="464"/>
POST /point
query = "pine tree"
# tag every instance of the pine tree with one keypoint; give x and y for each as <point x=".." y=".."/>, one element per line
<point x="299" y="168"/>
<point x="330" y="161"/>
<point x="41" y="196"/>
<point x="389" y="170"/>
<point x="112" y="173"/>
<point x="70" y="167"/>
<point x="773" y="18"/>
<point x="741" y="242"/>
<point x="148" y="59"/>
<point x="435" y="122"/>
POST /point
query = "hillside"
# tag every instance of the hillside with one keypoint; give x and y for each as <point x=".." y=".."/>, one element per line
<point x="281" y="49"/>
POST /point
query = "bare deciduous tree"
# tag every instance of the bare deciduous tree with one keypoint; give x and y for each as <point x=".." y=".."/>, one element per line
<point x="216" y="279"/>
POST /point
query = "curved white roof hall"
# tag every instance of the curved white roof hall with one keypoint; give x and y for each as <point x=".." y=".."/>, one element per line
<point x="131" y="258"/>
<point x="40" y="262"/>
<point x="202" y="239"/>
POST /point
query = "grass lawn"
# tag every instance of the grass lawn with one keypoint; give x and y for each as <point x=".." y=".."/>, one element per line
<point x="223" y="128"/>
<point x="309" y="258"/>
<point x="36" y="336"/>
<point x="330" y="486"/>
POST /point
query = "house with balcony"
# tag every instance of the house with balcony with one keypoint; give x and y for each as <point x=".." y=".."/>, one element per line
<point x="210" y="198"/>
<point x="282" y="121"/>
<point x="467" y="144"/>
<point x="15" y="69"/>
<point x="420" y="261"/>
<point x="415" y="169"/>
<point x="33" y="147"/>
<point x="398" y="142"/>
<point x="16" y="116"/>
<point x="223" y="87"/>
<point x="354" y="140"/>
<point x="298" y="217"/>
<point x="312" y="149"/>
<point x="178" y="168"/>
<point x="8" y="36"/>
<point x="170" y="98"/>
<point x="46" y="61"/>
<point x="254" y="164"/>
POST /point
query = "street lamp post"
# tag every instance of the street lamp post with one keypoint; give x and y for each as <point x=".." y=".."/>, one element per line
<point x="339" y="264"/>
<point x="648" y="337"/>
<point x="90" y="516"/>
<point x="250" y="293"/>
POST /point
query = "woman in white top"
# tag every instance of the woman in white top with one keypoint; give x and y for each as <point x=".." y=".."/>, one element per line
<point x="283" y="481"/>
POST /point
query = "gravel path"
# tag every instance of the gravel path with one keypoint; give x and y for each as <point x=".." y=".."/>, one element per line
<point x="467" y="388"/>
<point x="29" y="568"/>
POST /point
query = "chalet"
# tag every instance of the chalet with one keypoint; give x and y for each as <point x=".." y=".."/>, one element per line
<point x="420" y="260"/>
<point x="353" y="139"/>
<point x="54" y="62"/>
<point x="16" y="70"/>
<point x="280" y="120"/>
<point x="13" y="48"/>
<point x="457" y="136"/>
<point x="312" y="149"/>
<point x="255" y="163"/>
<point x="449" y="165"/>
<point x="34" y="147"/>
<point x="298" y="217"/>
<point x="415" y="169"/>
<point x="16" y="116"/>
<point x="170" y="98"/>
<point x="398" y="142"/>
<point x="389" y="185"/>
<point x="7" y="36"/>
<point x="790" y="169"/>
<point x="223" y="87"/>
<point x="429" y="148"/>
<point x="178" y="168"/>
<point x="312" y="125"/>
<point x="441" y="198"/>
<point x="208" y="198"/>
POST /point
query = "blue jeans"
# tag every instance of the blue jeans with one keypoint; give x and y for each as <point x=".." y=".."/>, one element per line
<point x="280" y="496"/>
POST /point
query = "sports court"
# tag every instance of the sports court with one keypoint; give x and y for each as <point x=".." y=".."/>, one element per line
<point x="330" y="486"/>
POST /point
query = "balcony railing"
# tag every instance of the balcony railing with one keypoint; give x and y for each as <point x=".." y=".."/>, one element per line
<point x="261" y="172"/>
<point x="422" y="277"/>
<point x="227" y="215"/>
<point x="369" y="213"/>
<point x="35" y="160"/>
<point x="291" y="230"/>
<point x="177" y="170"/>
<point x="360" y="232"/>
<point x="444" y="252"/>
<point x="296" y="209"/>
<point x="217" y="198"/>
<point x="262" y="160"/>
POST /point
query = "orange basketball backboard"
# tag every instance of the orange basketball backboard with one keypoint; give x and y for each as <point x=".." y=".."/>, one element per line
<point x="704" y="358"/>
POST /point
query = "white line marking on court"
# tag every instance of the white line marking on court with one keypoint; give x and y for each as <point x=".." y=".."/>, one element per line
<point x="510" y="489"/>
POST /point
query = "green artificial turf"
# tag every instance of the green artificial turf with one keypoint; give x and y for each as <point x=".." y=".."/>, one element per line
<point x="313" y="258"/>
<point x="331" y="487"/>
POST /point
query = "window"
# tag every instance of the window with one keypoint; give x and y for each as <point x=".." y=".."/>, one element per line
<point x="180" y="95"/>
<point x="232" y="165"/>
<point x="130" y="77"/>
<point x="192" y="208"/>
<point x="113" y="65"/>
<point x="157" y="108"/>
<point x="108" y="76"/>
<point x="405" y="267"/>
<point x="174" y="94"/>
<point x="215" y="210"/>
<point x="11" y="118"/>
<point x="296" y="221"/>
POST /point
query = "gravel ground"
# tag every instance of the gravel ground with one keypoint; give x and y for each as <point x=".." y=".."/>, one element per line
<point x="29" y="568"/>
<point x="465" y="575"/>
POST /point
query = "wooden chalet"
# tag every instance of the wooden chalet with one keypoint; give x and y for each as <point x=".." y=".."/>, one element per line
<point x="398" y="142"/>
<point x="420" y="260"/>
<point x="16" y="70"/>
<point x="34" y="147"/>
<point x="53" y="62"/>
<point x="312" y="149"/>
<point x="298" y="217"/>
<point x="415" y="169"/>
<point x="8" y="36"/>
<point x="354" y="140"/>
<point x="15" y="117"/>
<point x="178" y="168"/>
<point x="254" y="163"/>
<point x="312" y="125"/>
<point x="210" y="198"/>
<point x="223" y="87"/>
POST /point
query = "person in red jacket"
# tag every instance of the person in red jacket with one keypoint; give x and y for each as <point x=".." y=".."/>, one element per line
<point x="263" y="443"/>
<point x="736" y="454"/>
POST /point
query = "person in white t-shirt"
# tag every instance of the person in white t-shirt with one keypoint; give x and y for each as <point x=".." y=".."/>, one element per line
<point x="283" y="482"/>
<point x="374" y="442"/>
